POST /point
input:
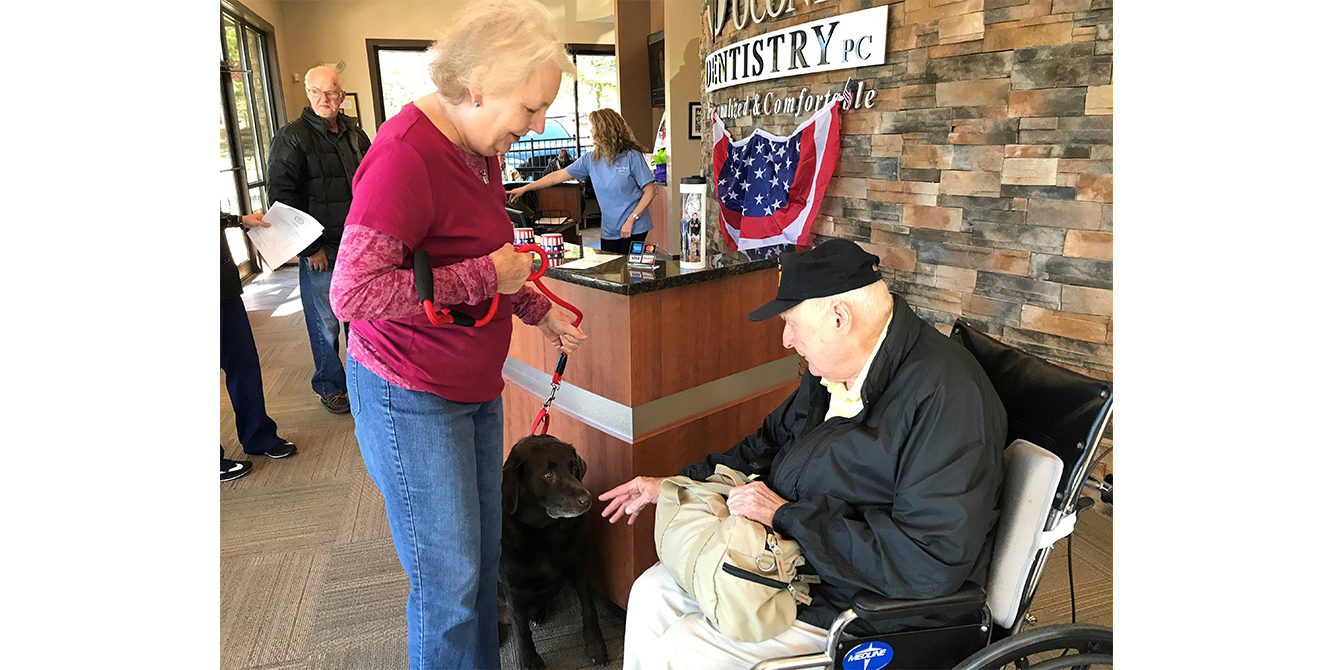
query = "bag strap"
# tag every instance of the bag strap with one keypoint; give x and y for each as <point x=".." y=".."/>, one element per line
<point x="717" y="489"/>
<point x="729" y="476"/>
<point x="714" y="494"/>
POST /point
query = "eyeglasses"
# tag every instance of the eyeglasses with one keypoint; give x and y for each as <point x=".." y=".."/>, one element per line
<point x="331" y="95"/>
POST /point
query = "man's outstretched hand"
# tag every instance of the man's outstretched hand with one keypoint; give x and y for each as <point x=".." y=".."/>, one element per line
<point x="630" y="498"/>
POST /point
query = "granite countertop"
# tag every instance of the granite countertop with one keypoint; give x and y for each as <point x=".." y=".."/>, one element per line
<point x="615" y="276"/>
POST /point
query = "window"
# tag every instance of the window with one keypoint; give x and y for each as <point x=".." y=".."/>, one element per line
<point x="247" y="120"/>
<point x="594" y="87"/>
<point x="398" y="76"/>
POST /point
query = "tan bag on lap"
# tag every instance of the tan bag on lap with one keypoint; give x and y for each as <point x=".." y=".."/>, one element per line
<point x="739" y="571"/>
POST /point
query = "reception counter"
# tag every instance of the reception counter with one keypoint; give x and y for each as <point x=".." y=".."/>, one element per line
<point x="672" y="370"/>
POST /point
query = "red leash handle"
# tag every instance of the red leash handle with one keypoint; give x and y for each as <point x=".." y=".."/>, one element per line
<point x="445" y="316"/>
<point x="536" y="278"/>
<point x="578" y="315"/>
<point x="541" y="254"/>
<point x="421" y="268"/>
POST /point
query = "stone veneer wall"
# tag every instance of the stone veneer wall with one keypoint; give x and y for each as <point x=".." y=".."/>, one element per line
<point x="982" y="175"/>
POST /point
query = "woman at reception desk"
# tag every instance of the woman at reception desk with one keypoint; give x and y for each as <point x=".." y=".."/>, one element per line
<point x="672" y="370"/>
<point x="621" y="178"/>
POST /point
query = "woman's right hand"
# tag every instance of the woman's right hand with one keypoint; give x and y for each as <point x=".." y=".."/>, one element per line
<point x="514" y="195"/>
<point x="512" y="268"/>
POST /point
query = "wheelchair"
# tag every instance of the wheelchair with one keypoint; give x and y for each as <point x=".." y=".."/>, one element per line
<point x="1056" y="420"/>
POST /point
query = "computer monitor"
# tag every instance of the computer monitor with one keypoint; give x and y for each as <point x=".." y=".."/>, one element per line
<point x="656" y="64"/>
<point x="516" y="218"/>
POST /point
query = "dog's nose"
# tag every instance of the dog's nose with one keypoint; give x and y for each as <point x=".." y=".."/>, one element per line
<point x="585" y="501"/>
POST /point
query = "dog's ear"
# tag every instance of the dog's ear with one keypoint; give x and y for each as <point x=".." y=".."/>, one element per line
<point x="580" y="467"/>
<point x="509" y="483"/>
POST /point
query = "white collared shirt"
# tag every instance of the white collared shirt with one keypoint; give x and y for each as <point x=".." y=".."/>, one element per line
<point x="847" y="402"/>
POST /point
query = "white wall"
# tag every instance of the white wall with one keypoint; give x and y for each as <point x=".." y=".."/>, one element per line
<point x="682" y="27"/>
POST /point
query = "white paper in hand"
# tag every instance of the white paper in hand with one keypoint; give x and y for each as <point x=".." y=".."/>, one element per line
<point x="290" y="230"/>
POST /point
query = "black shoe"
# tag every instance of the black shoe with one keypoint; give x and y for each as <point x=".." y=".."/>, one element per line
<point x="337" y="403"/>
<point x="234" y="469"/>
<point x="281" y="450"/>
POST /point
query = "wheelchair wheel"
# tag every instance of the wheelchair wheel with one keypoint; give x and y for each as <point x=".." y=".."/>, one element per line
<point x="1064" y="647"/>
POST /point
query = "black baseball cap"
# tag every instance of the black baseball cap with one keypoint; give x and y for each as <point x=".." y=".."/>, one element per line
<point x="834" y="267"/>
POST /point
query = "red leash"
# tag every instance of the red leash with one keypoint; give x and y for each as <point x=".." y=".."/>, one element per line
<point x="421" y="270"/>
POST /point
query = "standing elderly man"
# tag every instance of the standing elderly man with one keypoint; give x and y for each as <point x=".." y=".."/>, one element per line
<point x="884" y="466"/>
<point x="311" y="163"/>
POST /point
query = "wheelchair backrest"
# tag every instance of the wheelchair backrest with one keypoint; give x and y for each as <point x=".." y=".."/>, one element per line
<point x="1057" y="409"/>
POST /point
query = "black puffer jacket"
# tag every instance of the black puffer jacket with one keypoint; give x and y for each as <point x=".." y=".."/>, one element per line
<point x="901" y="499"/>
<point x="311" y="168"/>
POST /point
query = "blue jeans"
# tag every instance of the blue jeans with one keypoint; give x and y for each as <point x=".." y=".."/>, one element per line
<point x="437" y="463"/>
<point x="322" y="327"/>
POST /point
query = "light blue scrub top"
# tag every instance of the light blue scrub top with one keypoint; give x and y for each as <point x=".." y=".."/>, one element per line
<point x="619" y="187"/>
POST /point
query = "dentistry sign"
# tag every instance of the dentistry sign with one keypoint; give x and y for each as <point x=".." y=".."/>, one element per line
<point x="856" y="39"/>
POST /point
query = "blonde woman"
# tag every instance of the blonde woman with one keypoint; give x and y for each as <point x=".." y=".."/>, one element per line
<point x="425" y="399"/>
<point x="623" y="182"/>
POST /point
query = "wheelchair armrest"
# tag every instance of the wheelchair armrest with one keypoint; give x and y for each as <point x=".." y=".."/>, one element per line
<point x="873" y="606"/>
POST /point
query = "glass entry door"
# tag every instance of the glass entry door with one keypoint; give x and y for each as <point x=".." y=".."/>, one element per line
<point x="231" y="184"/>
<point x="246" y="121"/>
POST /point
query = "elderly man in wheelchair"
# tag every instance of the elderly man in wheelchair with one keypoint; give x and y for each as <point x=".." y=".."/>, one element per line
<point x="886" y="467"/>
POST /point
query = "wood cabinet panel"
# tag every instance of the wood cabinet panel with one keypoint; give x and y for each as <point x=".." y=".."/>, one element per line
<point x="602" y="363"/>
<point x="695" y="334"/>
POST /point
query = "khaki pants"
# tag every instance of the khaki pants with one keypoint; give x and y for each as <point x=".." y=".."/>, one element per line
<point x="664" y="629"/>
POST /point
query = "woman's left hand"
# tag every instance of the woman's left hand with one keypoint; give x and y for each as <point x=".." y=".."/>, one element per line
<point x="559" y="329"/>
<point x="628" y="226"/>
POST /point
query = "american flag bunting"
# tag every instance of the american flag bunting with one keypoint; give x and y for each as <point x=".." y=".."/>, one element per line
<point x="768" y="187"/>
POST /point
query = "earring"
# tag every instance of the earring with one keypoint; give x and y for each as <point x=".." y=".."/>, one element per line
<point x="477" y="103"/>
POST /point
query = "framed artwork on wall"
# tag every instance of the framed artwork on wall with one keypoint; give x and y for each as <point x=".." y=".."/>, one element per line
<point x="351" y="106"/>
<point x="696" y="121"/>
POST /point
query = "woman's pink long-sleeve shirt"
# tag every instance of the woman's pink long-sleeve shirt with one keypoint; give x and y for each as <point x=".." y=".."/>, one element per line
<point x="415" y="189"/>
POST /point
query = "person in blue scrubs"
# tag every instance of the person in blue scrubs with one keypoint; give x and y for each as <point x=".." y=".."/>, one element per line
<point x="621" y="177"/>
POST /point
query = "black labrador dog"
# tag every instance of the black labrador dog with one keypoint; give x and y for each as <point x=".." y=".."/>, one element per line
<point x="544" y="540"/>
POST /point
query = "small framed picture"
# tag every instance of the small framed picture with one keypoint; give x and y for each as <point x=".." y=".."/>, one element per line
<point x="351" y="106"/>
<point x="696" y="121"/>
